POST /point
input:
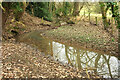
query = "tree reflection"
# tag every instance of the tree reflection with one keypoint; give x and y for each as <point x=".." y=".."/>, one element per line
<point x="107" y="61"/>
<point x="99" y="63"/>
<point x="96" y="62"/>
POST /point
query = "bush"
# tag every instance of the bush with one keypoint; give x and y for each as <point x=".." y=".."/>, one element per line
<point x="64" y="10"/>
<point x="40" y="10"/>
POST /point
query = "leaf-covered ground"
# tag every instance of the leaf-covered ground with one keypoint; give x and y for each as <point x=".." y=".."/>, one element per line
<point x="23" y="61"/>
<point x="86" y="35"/>
<point x="27" y="23"/>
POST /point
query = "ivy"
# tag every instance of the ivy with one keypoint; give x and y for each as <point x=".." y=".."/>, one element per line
<point x="115" y="13"/>
<point x="40" y="10"/>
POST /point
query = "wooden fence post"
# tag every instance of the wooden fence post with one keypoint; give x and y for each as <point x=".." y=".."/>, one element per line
<point x="84" y="13"/>
<point x="89" y="17"/>
<point x="96" y="20"/>
<point x="112" y="24"/>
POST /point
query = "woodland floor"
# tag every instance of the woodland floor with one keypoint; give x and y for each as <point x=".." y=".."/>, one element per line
<point x="83" y="33"/>
<point x="21" y="60"/>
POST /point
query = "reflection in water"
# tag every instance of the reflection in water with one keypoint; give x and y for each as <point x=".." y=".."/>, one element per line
<point x="100" y="64"/>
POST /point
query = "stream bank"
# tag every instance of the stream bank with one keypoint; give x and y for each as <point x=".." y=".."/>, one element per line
<point x="97" y="62"/>
<point x="86" y="35"/>
<point x="18" y="57"/>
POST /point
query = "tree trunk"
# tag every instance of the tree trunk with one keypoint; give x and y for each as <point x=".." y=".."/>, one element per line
<point x="71" y="8"/>
<point x="119" y="43"/>
<point x="5" y="14"/>
<point x="104" y="16"/>
<point x="20" y="14"/>
<point x="50" y="7"/>
<point x="119" y="31"/>
<point x="32" y="9"/>
<point x="116" y="15"/>
<point x="0" y="27"/>
<point x="76" y="10"/>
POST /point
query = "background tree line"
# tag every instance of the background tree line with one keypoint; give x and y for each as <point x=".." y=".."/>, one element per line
<point x="51" y="10"/>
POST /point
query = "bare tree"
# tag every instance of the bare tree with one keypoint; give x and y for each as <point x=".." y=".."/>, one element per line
<point x="77" y="8"/>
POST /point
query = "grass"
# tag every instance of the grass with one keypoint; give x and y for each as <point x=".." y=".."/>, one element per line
<point x="82" y="33"/>
<point x="69" y="32"/>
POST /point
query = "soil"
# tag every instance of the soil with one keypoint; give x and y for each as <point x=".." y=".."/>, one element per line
<point x="21" y="60"/>
<point x="26" y="24"/>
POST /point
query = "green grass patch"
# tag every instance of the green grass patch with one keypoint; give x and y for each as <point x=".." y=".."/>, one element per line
<point x="78" y="34"/>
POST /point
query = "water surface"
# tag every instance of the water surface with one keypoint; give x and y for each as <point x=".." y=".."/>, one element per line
<point x="99" y="63"/>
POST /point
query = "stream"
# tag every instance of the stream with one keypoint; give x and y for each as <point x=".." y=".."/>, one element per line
<point x="101" y="64"/>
